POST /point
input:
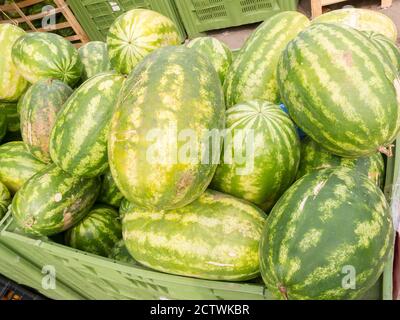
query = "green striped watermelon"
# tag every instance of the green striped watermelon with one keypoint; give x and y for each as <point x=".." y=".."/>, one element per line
<point x="12" y="84"/>
<point x="272" y="166"/>
<point x="42" y="55"/>
<point x="38" y="110"/>
<point x="121" y="253"/>
<point x="325" y="75"/>
<point x="253" y="72"/>
<point x="172" y="94"/>
<point x="219" y="53"/>
<point x="109" y="193"/>
<point x="78" y="141"/>
<point x="215" y="237"/>
<point x="53" y="201"/>
<point x="361" y="19"/>
<point x="97" y="233"/>
<point x="17" y="165"/>
<point x="135" y="34"/>
<point x="3" y="123"/>
<point x="11" y="112"/>
<point x="388" y="47"/>
<point x="331" y="227"/>
<point x="314" y="157"/>
<point x="94" y="57"/>
<point x="5" y="200"/>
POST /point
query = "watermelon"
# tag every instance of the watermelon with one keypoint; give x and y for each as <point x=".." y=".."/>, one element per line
<point x="253" y="73"/>
<point x="331" y="224"/>
<point x="94" y="57"/>
<point x="12" y="84"/>
<point x="270" y="166"/>
<point x="325" y="75"/>
<point x="78" y="142"/>
<point x="42" y="55"/>
<point x="361" y="19"/>
<point x="109" y="193"/>
<point x="97" y="233"/>
<point x="120" y="253"/>
<point x="38" y="110"/>
<point x="173" y="95"/>
<point x="11" y="112"/>
<point x="53" y="201"/>
<point x="17" y="165"/>
<point x="135" y="34"/>
<point x="314" y="157"/>
<point x="3" y="123"/>
<point x="388" y="47"/>
<point x="215" y="237"/>
<point x="219" y="53"/>
<point x="5" y="200"/>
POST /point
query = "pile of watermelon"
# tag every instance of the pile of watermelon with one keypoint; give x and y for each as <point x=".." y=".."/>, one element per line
<point x="179" y="158"/>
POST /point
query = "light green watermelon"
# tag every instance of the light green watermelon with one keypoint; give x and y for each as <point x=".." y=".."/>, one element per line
<point x="94" y="56"/>
<point x="327" y="238"/>
<point x="263" y="172"/>
<point x="215" y="237"/>
<point x="120" y="253"/>
<point x="53" y="201"/>
<point x="174" y="92"/>
<point x="219" y="53"/>
<point x="43" y="55"/>
<point x="325" y="75"/>
<point x="5" y="200"/>
<point x="38" y="110"/>
<point x="135" y="34"/>
<point x="253" y="72"/>
<point x="17" y="165"/>
<point x="12" y="84"/>
<point x="78" y="142"/>
<point x="109" y="193"/>
<point x="97" y="233"/>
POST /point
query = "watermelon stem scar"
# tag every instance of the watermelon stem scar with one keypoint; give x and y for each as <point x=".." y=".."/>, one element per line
<point x="283" y="291"/>
<point x="387" y="151"/>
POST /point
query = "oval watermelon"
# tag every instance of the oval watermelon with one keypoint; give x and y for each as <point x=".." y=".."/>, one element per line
<point x="328" y="237"/>
<point x="109" y="193"/>
<point x="173" y="95"/>
<point x="17" y="165"/>
<point x="324" y="78"/>
<point x="43" y="55"/>
<point x="219" y="53"/>
<point x="215" y="237"/>
<point x="361" y="19"/>
<point x="53" y="201"/>
<point x="386" y="46"/>
<point x="137" y="33"/>
<point x="94" y="57"/>
<point x="262" y="173"/>
<point x="78" y="142"/>
<point x="5" y="200"/>
<point x="38" y="110"/>
<point x="253" y="73"/>
<point x="314" y="157"/>
<point x="97" y="233"/>
<point x="121" y="253"/>
<point x="12" y="84"/>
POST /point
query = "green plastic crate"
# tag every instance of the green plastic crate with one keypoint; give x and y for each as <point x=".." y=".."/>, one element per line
<point x="199" y="16"/>
<point x="96" y="16"/>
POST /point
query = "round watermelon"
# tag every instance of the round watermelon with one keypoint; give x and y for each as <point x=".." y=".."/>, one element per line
<point x="43" y="55"/>
<point x="53" y="201"/>
<point x="120" y="253"/>
<point x="388" y="47"/>
<point x="38" y="110"/>
<point x="253" y="72"/>
<point x="259" y="174"/>
<point x="361" y="19"/>
<point x="215" y="237"/>
<point x="135" y="34"/>
<point x="167" y="107"/>
<point x="12" y="84"/>
<point x="314" y="157"/>
<point x="5" y="200"/>
<point x="97" y="233"/>
<point x="94" y="57"/>
<point x="219" y="53"/>
<point x="325" y="75"/>
<point x="78" y="142"/>
<point x="17" y="165"/>
<point x="327" y="238"/>
<point x="109" y="193"/>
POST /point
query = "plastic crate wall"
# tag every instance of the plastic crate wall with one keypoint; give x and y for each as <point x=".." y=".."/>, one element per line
<point x="96" y="16"/>
<point x="203" y="15"/>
